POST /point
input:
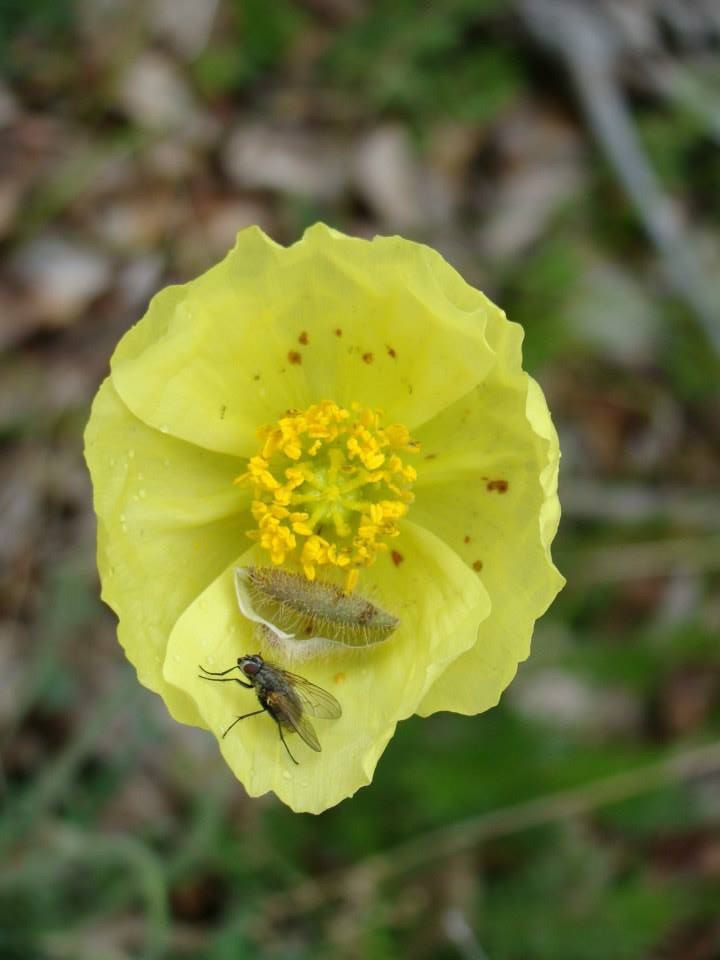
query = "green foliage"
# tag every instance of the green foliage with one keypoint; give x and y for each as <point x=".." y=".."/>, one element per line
<point x="30" y="31"/>
<point x="427" y="60"/>
<point x="669" y="138"/>
<point x="260" y="36"/>
<point x="694" y="370"/>
<point x="573" y="903"/>
<point x="536" y="292"/>
<point x="580" y="888"/>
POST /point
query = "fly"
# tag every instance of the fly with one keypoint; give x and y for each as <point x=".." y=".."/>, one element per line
<point x="288" y="698"/>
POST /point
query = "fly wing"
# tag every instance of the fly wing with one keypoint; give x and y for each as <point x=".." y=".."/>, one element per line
<point x="316" y="701"/>
<point x="302" y="726"/>
<point x="288" y="710"/>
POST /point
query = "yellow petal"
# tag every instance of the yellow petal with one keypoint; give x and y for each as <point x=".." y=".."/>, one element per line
<point x="197" y="365"/>
<point x="440" y="604"/>
<point x="169" y="520"/>
<point x="386" y="323"/>
<point x="406" y="346"/>
<point x="487" y="484"/>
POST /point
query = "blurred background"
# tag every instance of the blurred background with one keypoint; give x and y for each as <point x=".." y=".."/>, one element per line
<point x="564" y="157"/>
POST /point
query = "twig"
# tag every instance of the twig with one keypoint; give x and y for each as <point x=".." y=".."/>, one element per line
<point x="628" y="504"/>
<point x="656" y="558"/>
<point x="456" y="838"/>
<point x="583" y="39"/>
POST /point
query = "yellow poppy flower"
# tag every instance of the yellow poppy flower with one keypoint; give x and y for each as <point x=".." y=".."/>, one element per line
<point x="346" y="421"/>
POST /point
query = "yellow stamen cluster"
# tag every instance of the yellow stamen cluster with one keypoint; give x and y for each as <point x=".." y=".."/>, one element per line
<point x="329" y="487"/>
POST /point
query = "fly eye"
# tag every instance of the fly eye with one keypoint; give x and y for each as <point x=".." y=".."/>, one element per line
<point x="249" y="668"/>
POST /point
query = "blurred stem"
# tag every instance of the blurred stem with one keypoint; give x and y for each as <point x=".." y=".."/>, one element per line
<point x="656" y="558"/>
<point x="57" y="620"/>
<point x="584" y="40"/>
<point x="70" y="180"/>
<point x="75" y="847"/>
<point x="47" y="789"/>
<point x="634" y="504"/>
<point x="193" y="846"/>
<point x="454" y="839"/>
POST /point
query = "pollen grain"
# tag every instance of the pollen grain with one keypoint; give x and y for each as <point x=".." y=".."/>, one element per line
<point x="333" y="470"/>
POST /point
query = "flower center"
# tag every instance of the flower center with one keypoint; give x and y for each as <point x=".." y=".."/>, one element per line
<point x="329" y="487"/>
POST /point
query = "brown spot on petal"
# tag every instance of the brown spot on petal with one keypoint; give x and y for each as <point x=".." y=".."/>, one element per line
<point x="397" y="557"/>
<point x="294" y="357"/>
<point x="478" y="565"/>
<point x="339" y="677"/>
<point x="391" y="352"/>
<point x="499" y="485"/>
<point x="256" y="376"/>
<point x="431" y="456"/>
<point x="338" y="332"/>
<point x="467" y="538"/>
<point x="368" y="357"/>
<point x="303" y="338"/>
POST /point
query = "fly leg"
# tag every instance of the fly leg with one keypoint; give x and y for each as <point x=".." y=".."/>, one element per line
<point x="279" y="726"/>
<point x="218" y="677"/>
<point x="221" y="673"/>
<point x="243" y="717"/>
